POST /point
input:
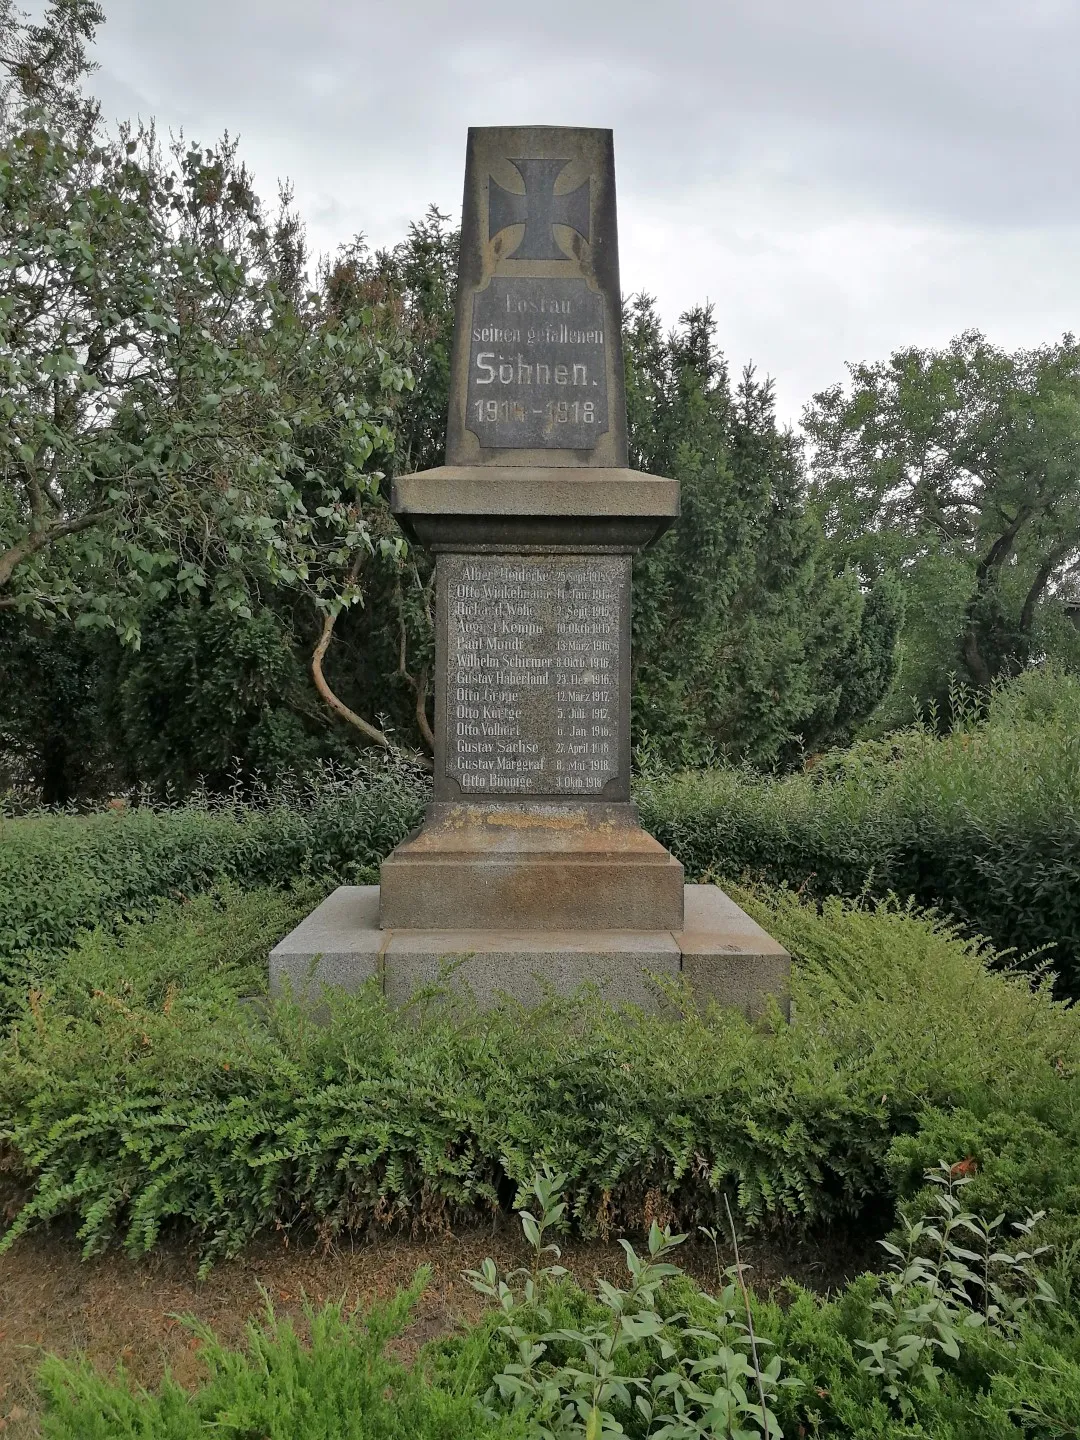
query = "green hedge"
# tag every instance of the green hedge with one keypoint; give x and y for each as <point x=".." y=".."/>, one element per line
<point x="60" y="874"/>
<point x="139" y="1091"/>
<point x="983" y="824"/>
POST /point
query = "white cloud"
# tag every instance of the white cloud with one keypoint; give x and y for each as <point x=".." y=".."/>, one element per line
<point x="840" y="178"/>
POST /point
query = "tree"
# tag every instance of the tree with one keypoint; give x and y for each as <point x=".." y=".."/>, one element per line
<point x="958" y="470"/>
<point x="194" y="444"/>
<point x="387" y="647"/>
<point x="212" y="699"/>
<point x="180" y="416"/>
<point x="745" y="643"/>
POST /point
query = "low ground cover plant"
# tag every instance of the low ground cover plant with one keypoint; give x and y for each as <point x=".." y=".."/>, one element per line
<point x="141" y="1089"/>
<point x="959" y="1339"/>
<point x="342" y="1385"/>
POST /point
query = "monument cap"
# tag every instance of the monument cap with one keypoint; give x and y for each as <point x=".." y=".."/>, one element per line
<point x="537" y="369"/>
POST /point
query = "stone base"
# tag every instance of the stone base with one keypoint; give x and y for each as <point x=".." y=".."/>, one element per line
<point x="535" y="866"/>
<point x="720" y="952"/>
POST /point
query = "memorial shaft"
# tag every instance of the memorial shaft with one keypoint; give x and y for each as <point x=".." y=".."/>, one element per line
<point x="534" y="521"/>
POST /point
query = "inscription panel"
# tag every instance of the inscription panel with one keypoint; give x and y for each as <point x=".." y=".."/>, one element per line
<point x="537" y="365"/>
<point x="534" y="652"/>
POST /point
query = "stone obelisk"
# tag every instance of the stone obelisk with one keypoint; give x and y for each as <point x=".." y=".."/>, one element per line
<point x="531" y="869"/>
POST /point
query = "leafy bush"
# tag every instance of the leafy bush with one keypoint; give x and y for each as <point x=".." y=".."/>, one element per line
<point x="580" y="1380"/>
<point x="983" y="823"/>
<point x="1011" y="1157"/>
<point x="139" y="1091"/>
<point x="63" y="873"/>
<point x="666" y="1361"/>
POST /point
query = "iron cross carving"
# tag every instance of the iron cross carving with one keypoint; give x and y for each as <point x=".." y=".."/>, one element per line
<point x="539" y="209"/>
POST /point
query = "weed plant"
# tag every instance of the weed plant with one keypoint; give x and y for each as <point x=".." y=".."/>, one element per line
<point x="341" y="1385"/>
<point x="959" y="1339"/>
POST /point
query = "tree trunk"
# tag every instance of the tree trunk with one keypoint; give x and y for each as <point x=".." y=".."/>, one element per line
<point x="421" y="711"/>
<point x="973" y="659"/>
<point x="339" y="707"/>
<point x="986" y="573"/>
<point x="1039" y="584"/>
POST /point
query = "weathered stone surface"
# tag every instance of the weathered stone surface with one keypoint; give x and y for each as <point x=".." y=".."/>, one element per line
<point x="537" y="369"/>
<point x="729" y="958"/>
<point x="339" y="943"/>
<point x="532" y="866"/>
<point x="723" y="954"/>
<point x="533" y="665"/>
<point x="534" y="521"/>
<point x="487" y="964"/>
<point x="535" y="490"/>
<point x="537" y="365"/>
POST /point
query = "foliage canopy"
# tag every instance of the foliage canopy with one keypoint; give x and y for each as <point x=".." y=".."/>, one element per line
<point x="958" y="470"/>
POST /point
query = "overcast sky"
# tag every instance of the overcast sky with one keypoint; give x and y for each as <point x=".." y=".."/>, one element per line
<point x="840" y="177"/>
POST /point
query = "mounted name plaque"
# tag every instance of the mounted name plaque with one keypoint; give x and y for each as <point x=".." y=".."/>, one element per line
<point x="536" y="665"/>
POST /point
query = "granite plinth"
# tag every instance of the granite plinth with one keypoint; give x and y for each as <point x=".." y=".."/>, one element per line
<point x="476" y="507"/>
<point x="531" y="867"/>
<point x="535" y="490"/>
<point x="721" y="953"/>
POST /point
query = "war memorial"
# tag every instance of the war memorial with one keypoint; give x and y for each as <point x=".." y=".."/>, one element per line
<point x="531" y="872"/>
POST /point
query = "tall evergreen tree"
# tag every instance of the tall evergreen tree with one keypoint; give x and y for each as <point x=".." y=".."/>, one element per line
<point x="746" y="644"/>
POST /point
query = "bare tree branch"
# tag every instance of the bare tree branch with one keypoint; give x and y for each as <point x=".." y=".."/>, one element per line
<point x="39" y="539"/>
<point x="337" y="705"/>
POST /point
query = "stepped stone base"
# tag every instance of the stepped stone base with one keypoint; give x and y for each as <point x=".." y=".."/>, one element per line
<point x="720" y="952"/>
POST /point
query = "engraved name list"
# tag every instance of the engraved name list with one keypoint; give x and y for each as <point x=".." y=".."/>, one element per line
<point x="534" y="648"/>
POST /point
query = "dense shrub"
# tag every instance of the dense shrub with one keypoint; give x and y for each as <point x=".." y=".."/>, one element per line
<point x="138" y="1090"/>
<point x="63" y="873"/>
<point x="983" y="823"/>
